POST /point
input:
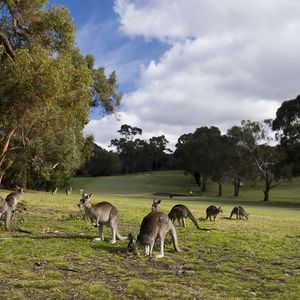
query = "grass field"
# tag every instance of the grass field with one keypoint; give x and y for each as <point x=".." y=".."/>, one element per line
<point x="53" y="255"/>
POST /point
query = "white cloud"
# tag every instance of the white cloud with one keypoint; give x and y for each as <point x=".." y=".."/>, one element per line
<point x="227" y="61"/>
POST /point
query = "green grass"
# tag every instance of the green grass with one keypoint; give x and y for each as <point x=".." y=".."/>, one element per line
<point x="236" y="259"/>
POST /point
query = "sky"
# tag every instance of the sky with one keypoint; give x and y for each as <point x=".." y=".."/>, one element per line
<point x="183" y="64"/>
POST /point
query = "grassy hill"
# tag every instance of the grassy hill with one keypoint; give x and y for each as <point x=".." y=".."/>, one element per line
<point x="52" y="255"/>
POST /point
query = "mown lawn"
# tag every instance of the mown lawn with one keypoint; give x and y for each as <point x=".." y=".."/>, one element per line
<point x="55" y="256"/>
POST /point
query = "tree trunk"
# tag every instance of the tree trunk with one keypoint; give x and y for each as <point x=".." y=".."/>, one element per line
<point x="220" y="188"/>
<point x="204" y="181"/>
<point x="267" y="190"/>
<point x="5" y="144"/>
<point x="197" y="177"/>
<point x="237" y="184"/>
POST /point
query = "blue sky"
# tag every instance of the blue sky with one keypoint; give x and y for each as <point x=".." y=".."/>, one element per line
<point x="98" y="34"/>
<point x="183" y="64"/>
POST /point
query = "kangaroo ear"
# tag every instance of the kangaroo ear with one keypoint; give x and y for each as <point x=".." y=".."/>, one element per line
<point x="90" y="195"/>
<point x="158" y="201"/>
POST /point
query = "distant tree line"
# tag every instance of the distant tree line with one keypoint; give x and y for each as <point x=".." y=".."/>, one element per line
<point x="245" y="152"/>
<point x="132" y="155"/>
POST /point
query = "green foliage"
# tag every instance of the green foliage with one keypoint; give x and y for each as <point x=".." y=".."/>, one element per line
<point x="100" y="163"/>
<point x="46" y="91"/>
<point x="137" y="155"/>
<point x="287" y="122"/>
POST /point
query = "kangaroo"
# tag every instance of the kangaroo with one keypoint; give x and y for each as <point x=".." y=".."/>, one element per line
<point x="154" y="226"/>
<point x="181" y="212"/>
<point x="155" y="205"/>
<point x="68" y="191"/>
<point x="213" y="211"/>
<point x="102" y="213"/>
<point x="9" y="206"/>
<point x="239" y="212"/>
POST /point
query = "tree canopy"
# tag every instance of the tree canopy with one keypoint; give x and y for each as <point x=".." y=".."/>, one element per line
<point x="47" y="88"/>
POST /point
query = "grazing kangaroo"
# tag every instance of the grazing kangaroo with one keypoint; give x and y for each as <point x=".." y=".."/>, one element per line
<point x="102" y="213"/>
<point x="239" y="212"/>
<point x="155" y="205"/>
<point x="9" y="206"/>
<point x="213" y="211"/>
<point x="154" y="226"/>
<point x="180" y="212"/>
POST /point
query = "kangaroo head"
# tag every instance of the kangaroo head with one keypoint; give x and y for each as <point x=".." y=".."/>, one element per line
<point x="85" y="199"/>
<point x="220" y="209"/>
<point x="155" y="205"/>
<point x="132" y="245"/>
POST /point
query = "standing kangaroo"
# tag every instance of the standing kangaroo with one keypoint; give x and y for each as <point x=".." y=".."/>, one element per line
<point x="213" y="211"/>
<point x="9" y="206"/>
<point x="154" y="226"/>
<point x="181" y="212"/>
<point x="239" y="212"/>
<point x="102" y="213"/>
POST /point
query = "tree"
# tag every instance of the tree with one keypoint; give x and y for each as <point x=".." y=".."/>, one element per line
<point x="255" y="138"/>
<point x="100" y="163"/>
<point x="127" y="146"/>
<point x="199" y="154"/>
<point x="158" y="146"/>
<point x="287" y="121"/>
<point x="46" y="87"/>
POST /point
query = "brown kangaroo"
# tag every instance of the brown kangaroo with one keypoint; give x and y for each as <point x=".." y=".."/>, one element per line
<point x="239" y="212"/>
<point x="154" y="226"/>
<point x="213" y="211"/>
<point x="102" y="213"/>
<point x="155" y="205"/>
<point x="180" y="212"/>
<point x="9" y="206"/>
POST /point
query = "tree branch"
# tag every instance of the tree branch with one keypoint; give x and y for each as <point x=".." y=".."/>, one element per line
<point x="7" y="46"/>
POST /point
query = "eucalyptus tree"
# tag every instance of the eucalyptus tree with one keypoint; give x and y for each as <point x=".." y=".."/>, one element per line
<point x="47" y="86"/>
<point x="158" y="148"/>
<point x="127" y="146"/>
<point x="255" y="138"/>
<point x="201" y="153"/>
<point x="287" y="123"/>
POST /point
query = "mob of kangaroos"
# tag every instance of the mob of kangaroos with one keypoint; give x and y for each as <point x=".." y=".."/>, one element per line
<point x="9" y="205"/>
<point x="102" y="213"/>
<point x="154" y="226"/>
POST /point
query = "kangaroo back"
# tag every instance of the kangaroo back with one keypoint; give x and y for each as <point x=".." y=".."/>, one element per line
<point x="213" y="211"/>
<point x="154" y="227"/>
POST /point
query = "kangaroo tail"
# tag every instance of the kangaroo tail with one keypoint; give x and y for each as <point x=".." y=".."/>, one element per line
<point x="8" y="217"/>
<point x="174" y="238"/>
<point x="190" y="215"/>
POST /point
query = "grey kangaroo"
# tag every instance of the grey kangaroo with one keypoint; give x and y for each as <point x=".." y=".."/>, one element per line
<point x="239" y="212"/>
<point x="154" y="226"/>
<point x="9" y="206"/>
<point x="102" y="213"/>
<point x="213" y="211"/>
<point x="180" y="212"/>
